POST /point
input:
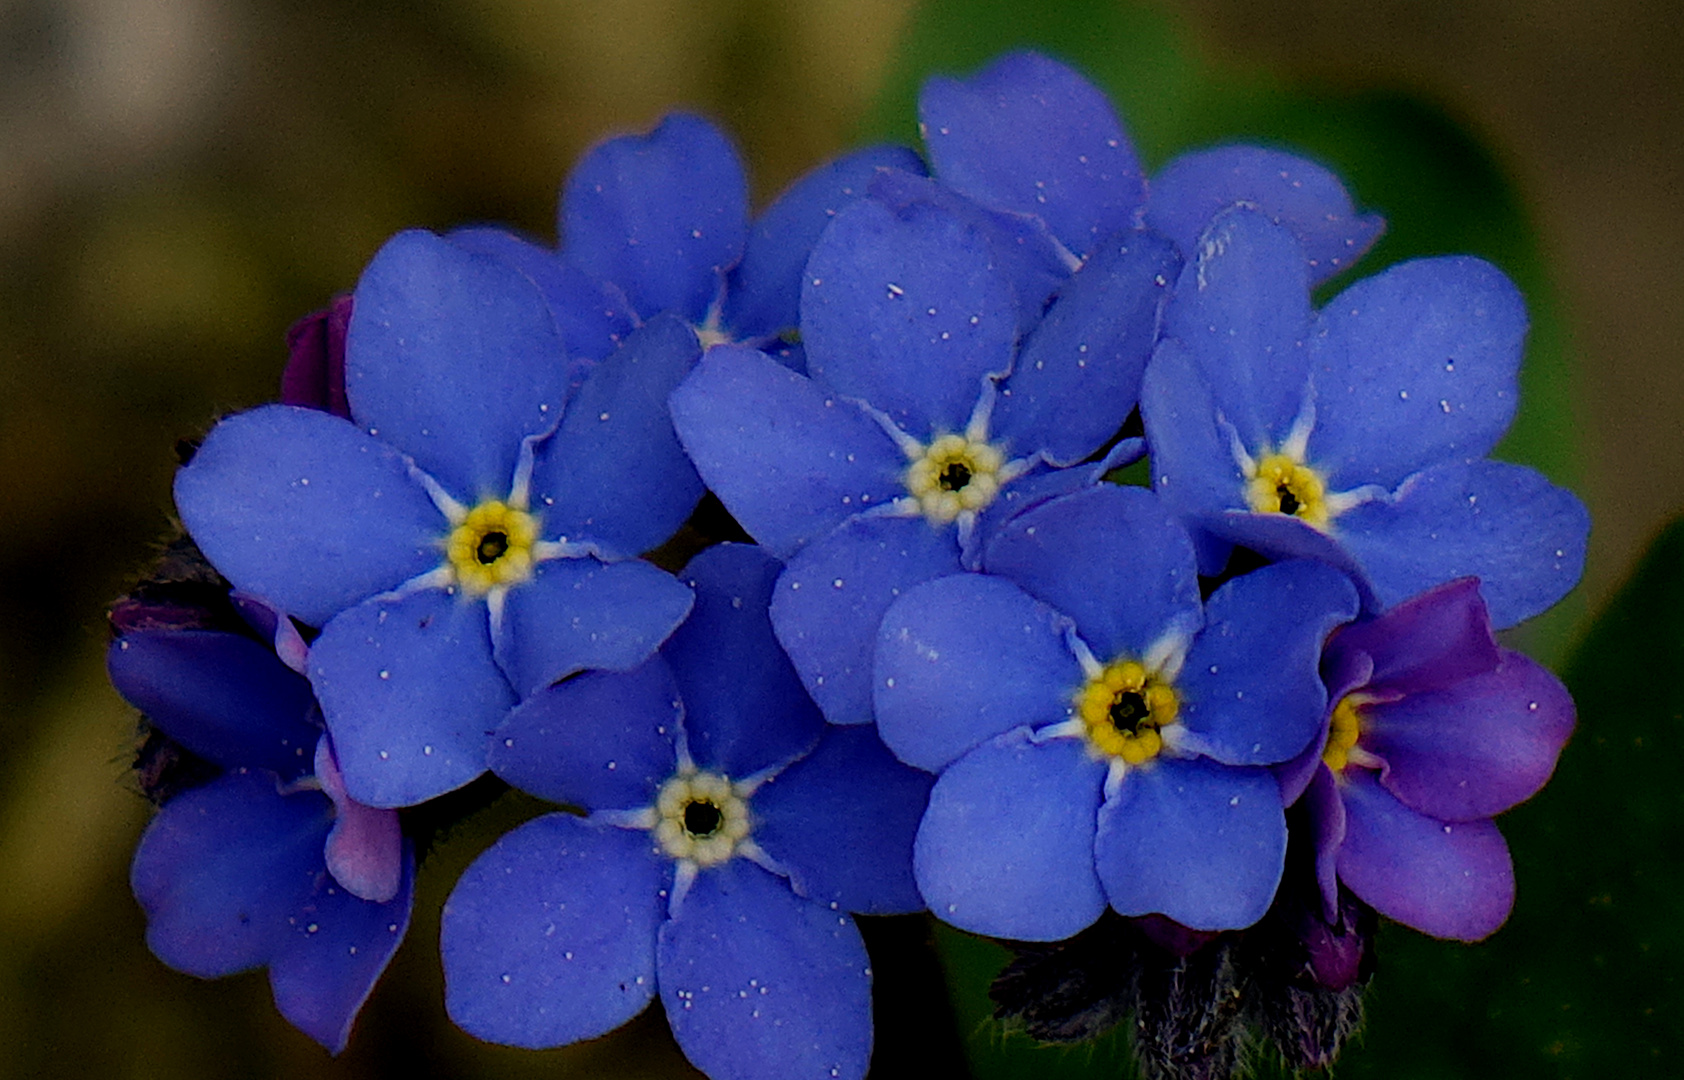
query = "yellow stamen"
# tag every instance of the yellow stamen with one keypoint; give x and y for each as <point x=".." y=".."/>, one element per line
<point x="1280" y="485"/>
<point x="953" y="475"/>
<point x="1123" y="709"/>
<point x="1343" y="730"/>
<point x="491" y="547"/>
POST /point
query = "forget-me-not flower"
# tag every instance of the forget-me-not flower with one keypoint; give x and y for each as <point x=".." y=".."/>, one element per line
<point x="1101" y="736"/>
<point x="1356" y="434"/>
<point x="730" y="834"/>
<point x="470" y="534"/>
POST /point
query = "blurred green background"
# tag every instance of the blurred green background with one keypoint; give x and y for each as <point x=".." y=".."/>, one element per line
<point x="179" y="179"/>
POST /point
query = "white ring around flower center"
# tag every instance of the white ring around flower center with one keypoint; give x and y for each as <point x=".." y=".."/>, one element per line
<point x="701" y="817"/>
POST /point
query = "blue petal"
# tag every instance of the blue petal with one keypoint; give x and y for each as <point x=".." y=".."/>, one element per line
<point x="832" y="597"/>
<point x="841" y="821"/>
<point x="614" y="473"/>
<point x="1291" y="191"/>
<point x="223" y="696"/>
<point x="302" y="509"/>
<point x="453" y="358"/>
<point x="601" y="741"/>
<point x="789" y="459"/>
<point x="593" y="316"/>
<point x="1006" y="847"/>
<point x="1193" y="466"/>
<point x="582" y="613"/>
<point x="1251" y="689"/>
<point x="744" y="707"/>
<point x="964" y="658"/>
<point x="1242" y="311"/>
<point x="410" y="694"/>
<point x="1416" y="366"/>
<point x="764" y="299"/>
<point x="1077" y="377"/>
<point x="902" y="308"/>
<point x="222" y="866"/>
<point x="1282" y="537"/>
<point x="1199" y="842"/>
<point x="1522" y="536"/>
<point x="662" y="215"/>
<point x="549" y="937"/>
<point x="1028" y="134"/>
<point x="335" y="949"/>
<point x="1109" y="557"/>
<point x="759" y="984"/>
<point x="1042" y="484"/>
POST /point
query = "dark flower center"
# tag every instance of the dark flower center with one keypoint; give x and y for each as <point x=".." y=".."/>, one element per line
<point x="1128" y="709"/>
<point x="955" y="476"/>
<point x="1288" y="499"/>
<point x="491" y="547"/>
<point x="702" y="818"/>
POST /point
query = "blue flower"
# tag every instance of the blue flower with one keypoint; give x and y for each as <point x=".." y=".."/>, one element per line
<point x="659" y="223"/>
<point x="1356" y="434"/>
<point x="469" y="534"/>
<point x="1434" y="729"/>
<point x="922" y="422"/>
<point x="730" y="834"/>
<point x="270" y="864"/>
<point x="1102" y="737"/>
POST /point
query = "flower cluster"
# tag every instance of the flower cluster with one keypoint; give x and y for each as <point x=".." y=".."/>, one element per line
<point x="958" y="667"/>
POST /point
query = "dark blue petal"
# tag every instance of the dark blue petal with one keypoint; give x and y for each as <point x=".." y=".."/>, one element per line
<point x="1109" y="557"/>
<point x="1006" y="847"/>
<point x="903" y="308"/>
<point x="302" y="509"/>
<point x="832" y="597"/>
<point x="1282" y="537"/>
<point x="223" y="696"/>
<point x="1415" y="366"/>
<point x="592" y="315"/>
<point x="1193" y="466"/>
<point x="614" y="473"/>
<point x="1447" y="880"/>
<point x="582" y="613"/>
<point x="453" y="358"/>
<point x="1028" y="134"/>
<point x="1077" y="377"/>
<point x="662" y="215"/>
<point x="1199" y="842"/>
<point x="1242" y="311"/>
<point x="334" y="951"/>
<point x="549" y="937"/>
<point x="1522" y="536"/>
<point x="789" y="459"/>
<point x="1039" y="485"/>
<point x="1251" y="689"/>
<point x="222" y="866"/>
<point x="760" y="984"/>
<point x="744" y="706"/>
<point x="841" y="821"/>
<point x="764" y="299"/>
<point x="1291" y="191"/>
<point x="602" y="741"/>
<point x="410" y="694"/>
<point x="964" y="658"/>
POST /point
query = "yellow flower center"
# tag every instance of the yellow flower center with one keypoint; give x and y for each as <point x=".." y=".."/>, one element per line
<point x="1343" y="730"/>
<point x="1280" y="485"/>
<point x="1122" y="710"/>
<point x="492" y="546"/>
<point x="953" y="475"/>
<point x="700" y="817"/>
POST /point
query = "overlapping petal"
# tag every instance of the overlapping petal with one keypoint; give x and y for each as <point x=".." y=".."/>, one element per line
<point x="549" y="937"/>
<point x="302" y="509"/>
<point x="1429" y="642"/>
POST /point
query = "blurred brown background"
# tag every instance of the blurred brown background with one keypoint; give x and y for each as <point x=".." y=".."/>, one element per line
<point x="179" y="179"/>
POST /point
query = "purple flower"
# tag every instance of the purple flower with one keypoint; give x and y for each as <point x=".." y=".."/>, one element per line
<point x="1434" y="729"/>
<point x="730" y="833"/>
<point x="270" y="864"/>
<point x="468" y="535"/>
<point x="659" y="223"/>
<point x="922" y="422"/>
<point x="1356" y="434"/>
<point x="1101" y="736"/>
